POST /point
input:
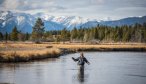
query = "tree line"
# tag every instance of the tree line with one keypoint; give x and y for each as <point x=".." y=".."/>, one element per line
<point x="100" y="33"/>
<point x="15" y="35"/>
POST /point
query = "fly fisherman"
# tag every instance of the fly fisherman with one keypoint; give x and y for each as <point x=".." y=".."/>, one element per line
<point x="81" y="61"/>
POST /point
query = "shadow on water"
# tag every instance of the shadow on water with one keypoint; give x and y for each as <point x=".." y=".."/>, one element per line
<point x="8" y="71"/>
<point x="136" y="75"/>
<point x="26" y="64"/>
<point x="81" y="74"/>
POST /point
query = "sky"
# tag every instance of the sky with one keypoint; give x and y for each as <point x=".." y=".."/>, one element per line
<point x="95" y="9"/>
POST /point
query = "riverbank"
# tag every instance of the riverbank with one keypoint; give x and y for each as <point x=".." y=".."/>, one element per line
<point x="103" y="47"/>
<point x="24" y="52"/>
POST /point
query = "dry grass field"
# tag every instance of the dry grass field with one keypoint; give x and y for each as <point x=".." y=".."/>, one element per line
<point x="103" y="47"/>
<point x="21" y="51"/>
<point x="26" y="52"/>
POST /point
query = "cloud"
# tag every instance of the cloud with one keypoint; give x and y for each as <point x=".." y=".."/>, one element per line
<point x="99" y="9"/>
<point x="6" y="4"/>
<point x="1" y="1"/>
<point x="29" y="5"/>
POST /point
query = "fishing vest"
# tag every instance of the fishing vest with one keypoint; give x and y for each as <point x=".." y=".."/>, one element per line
<point x="81" y="61"/>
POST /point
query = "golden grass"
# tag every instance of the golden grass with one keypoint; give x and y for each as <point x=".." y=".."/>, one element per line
<point x="29" y="51"/>
<point x="26" y="52"/>
<point x="99" y="46"/>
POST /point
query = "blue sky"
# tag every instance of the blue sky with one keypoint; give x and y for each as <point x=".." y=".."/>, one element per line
<point x="95" y="9"/>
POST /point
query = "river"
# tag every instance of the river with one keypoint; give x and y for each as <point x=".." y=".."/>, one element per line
<point x="104" y="68"/>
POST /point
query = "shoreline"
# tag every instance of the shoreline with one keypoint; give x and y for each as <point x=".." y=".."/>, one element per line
<point x="59" y="49"/>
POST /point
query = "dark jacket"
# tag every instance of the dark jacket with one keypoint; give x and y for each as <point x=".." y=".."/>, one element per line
<point x="81" y="60"/>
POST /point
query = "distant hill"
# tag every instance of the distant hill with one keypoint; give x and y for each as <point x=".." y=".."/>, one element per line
<point x="24" y="21"/>
<point x="125" y="21"/>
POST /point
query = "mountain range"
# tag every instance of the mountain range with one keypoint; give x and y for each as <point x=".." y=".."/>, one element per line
<point x="25" y="21"/>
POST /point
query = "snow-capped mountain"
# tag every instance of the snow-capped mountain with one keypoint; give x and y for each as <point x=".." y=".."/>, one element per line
<point x="25" y="22"/>
<point x="8" y="20"/>
<point x="125" y="21"/>
<point x="67" y="21"/>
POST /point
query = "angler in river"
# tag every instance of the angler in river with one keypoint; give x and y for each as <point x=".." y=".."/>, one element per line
<point x="81" y="61"/>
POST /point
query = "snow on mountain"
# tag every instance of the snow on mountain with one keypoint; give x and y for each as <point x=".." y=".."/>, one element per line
<point x="67" y="21"/>
<point x="5" y="15"/>
<point x="25" y="22"/>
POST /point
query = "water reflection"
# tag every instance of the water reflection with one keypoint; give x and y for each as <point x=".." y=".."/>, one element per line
<point x="105" y="68"/>
<point x="81" y="74"/>
<point x="12" y="66"/>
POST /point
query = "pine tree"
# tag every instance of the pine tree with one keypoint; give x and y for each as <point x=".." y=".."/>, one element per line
<point x="1" y="36"/>
<point x="64" y="34"/>
<point x="144" y="30"/>
<point x="21" y="36"/>
<point x="27" y="36"/>
<point x="6" y="37"/>
<point x="38" y="30"/>
<point x="74" y="34"/>
<point x="86" y="36"/>
<point x="96" y="33"/>
<point x="14" y="34"/>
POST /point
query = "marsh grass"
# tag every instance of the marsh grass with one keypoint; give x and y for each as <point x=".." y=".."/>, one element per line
<point x="26" y="52"/>
<point x="100" y="47"/>
<point x="22" y="52"/>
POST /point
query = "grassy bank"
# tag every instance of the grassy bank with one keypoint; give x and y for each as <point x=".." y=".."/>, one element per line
<point x="23" y="52"/>
<point x="103" y="47"/>
<point x="26" y="52"/>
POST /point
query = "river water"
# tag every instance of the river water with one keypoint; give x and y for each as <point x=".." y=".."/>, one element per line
<point x="104" y="68"/>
